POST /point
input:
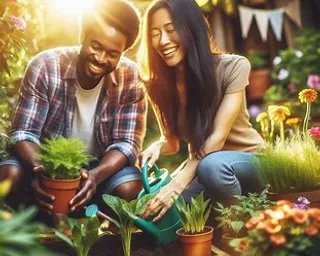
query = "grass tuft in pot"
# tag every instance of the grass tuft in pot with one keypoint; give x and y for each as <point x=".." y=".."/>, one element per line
<point x="291" y="166"/>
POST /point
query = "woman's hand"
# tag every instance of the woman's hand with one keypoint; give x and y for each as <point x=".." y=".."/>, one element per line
<point x="152" y="153"/>
<point x="162" y="201"/>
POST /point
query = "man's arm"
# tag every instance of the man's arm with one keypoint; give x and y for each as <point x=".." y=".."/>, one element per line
<point x="129" y="128"/>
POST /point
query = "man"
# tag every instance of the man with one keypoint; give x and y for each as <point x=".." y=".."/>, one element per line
<point x="89" y="92"/>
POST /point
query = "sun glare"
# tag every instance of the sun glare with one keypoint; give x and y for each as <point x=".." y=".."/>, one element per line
<point x="73" y="7"/>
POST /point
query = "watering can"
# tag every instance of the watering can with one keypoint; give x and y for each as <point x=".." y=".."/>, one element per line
<point x="164" y="230"/>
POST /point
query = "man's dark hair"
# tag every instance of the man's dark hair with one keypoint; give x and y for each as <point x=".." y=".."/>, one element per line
<point x="121" y="14"/>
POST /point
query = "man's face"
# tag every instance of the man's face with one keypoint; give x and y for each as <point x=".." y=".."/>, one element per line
<point x="99" y="55"/>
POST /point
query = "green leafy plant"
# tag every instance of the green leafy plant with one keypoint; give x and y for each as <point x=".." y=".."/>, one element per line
<point x="126" y="212"/>
<point x="194" y="216"/>
<point x="282" y="230"/>
<point x="257" y="60"/>
<point x="18" y="236"/>
<point x="63" y="158"/>
<point x="83" y="236"/>
<point x="291" y="166"/>
<point x="234" y="217"/>
<point x="4" y="143"/>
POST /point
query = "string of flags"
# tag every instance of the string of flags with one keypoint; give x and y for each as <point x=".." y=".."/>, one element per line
<point x="263" y="17"/>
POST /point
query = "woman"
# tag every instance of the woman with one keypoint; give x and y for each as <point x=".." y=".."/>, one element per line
<point x="198" y="96"/>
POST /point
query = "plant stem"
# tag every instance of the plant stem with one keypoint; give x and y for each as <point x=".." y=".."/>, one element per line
<point x="126" y="239"/>
<point x="306" y="118"/>
<point x="282" y="132"/>
<point x="272" y="130"/>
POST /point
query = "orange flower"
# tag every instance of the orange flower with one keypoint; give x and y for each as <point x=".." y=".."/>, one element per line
<point x="243" y="245"/>
<point x="272" y="226"/>
<point x="311" y="230"/>
<point x="278" y="239"/>
<point x="278" y="113"/>
<point x="284" y="202"/>
<point x="299" y="216"/>
<point x="314" y="213"/>
<point x="308" y="95"/>
<point x="317" y="223"/>
<point x="254" y="221"/>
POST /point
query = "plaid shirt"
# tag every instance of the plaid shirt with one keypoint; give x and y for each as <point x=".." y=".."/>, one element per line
<point x="47" y="101"/>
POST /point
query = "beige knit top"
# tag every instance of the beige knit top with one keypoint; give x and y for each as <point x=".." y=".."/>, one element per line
<point x="233" y="76"/>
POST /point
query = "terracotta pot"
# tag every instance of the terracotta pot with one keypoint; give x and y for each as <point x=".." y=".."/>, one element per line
<point x="196" y="244"/>
<point x="312" y="196"/>
<point x="260" y="81"/>
<point x="62" y="190"/>
<point x="225" y="240"/>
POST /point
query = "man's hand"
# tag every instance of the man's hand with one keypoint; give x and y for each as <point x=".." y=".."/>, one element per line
<point x="88" y="189"/>
<point x="43" y="199"/>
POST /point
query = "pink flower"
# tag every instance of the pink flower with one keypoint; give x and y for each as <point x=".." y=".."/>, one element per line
<point x="314" y="81"/>
<point x="19" y="22"/>
<point x="292" y="87"/>
<point x="315" y="132"/>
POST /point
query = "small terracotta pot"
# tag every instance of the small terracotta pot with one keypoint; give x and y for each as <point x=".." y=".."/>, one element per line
<point x="312" y="196"/>
<point x="196" y="244"/>
<point x="259" y="82"/>
<point x="225" y="240"/>
<point x="62" y="190"/>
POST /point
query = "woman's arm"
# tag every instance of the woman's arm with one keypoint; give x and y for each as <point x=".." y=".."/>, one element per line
<point x="223" y="122"/>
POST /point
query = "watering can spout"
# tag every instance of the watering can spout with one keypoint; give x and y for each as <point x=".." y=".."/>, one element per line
<point x="148" y="227"/>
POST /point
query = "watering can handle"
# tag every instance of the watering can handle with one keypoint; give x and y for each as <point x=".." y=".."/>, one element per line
<point x="145" y="172"/>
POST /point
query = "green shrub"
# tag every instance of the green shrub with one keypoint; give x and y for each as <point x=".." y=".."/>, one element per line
<point x="63" y="158"/>
<point x="257" y="60"/>
<point x="234" y="217"/>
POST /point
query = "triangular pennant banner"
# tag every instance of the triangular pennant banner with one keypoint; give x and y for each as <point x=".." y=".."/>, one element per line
<point x="262" y="22"/>
<point x="293" y="11"/>
<point x="246" y="15"/>
<point x="276" y="20"/>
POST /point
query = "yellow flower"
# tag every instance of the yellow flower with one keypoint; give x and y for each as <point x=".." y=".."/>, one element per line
<point x="308" y="96"/>
<point x="4" y="188"/>
<point x="292" y="121"/>
<point x="261" y="116"/>
<point x="278" y="113"/>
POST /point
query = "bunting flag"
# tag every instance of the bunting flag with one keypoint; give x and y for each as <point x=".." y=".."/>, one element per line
<point x="246" y="16"/>
<point x="276" y="21"/>
<point x="264" y="16"/>
<point x="293" y="12"/>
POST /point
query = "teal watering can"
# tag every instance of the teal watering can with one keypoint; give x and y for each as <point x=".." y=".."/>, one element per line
<point x="164" y="230"/>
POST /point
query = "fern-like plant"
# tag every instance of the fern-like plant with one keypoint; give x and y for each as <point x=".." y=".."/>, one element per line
<point x="63" y="158"/>
<point x="194" y="216"/>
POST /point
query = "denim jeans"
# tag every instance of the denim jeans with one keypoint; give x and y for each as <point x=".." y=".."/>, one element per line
<point x="224" y="174"/>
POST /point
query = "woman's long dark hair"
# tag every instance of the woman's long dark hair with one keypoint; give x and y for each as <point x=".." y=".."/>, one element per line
<point x="203" y="93"/>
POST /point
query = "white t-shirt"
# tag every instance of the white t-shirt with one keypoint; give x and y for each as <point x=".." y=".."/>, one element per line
<point x="84" y="116"/>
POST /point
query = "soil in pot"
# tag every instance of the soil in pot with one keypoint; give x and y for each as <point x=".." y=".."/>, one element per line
<point x="196" y="244"/>
<point x="312" y="196"/>
<point x="62" y="190"/>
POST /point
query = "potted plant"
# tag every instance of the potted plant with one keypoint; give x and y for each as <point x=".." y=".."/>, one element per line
<point x="260" y="76"/>
<point x="83" y="236"/>
<point x="233" y="218"/>
<point x="291" y="169"/>
<point x="283" y="230"/>
<point x="127" y="213"/>
<point x="195" y="237"/>
<point x="62" y="160"/>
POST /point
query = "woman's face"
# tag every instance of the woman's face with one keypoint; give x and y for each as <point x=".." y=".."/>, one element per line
<point x="165" y="39"/>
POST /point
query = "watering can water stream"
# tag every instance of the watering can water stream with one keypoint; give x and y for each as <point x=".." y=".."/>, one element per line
<point x="164" y="230"/>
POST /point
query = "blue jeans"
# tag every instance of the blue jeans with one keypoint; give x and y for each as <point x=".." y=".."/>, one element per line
<point x="128" y="173"/>
<point x="224" y="174"/>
